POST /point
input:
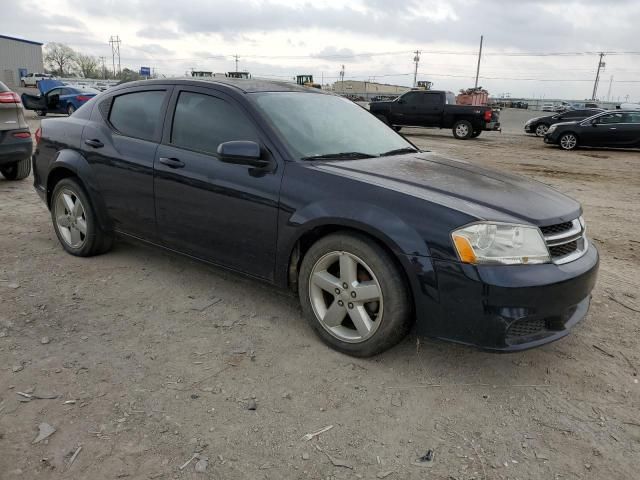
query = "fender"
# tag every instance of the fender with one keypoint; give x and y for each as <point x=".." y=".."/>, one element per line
<point x="381" y="224"/>
<point x="73" y="161"/>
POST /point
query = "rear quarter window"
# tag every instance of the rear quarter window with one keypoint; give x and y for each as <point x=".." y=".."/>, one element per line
<point x="137" y="114"/>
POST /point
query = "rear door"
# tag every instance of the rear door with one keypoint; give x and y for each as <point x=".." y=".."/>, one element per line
<point x="220" y="212"/>
<point x="120" y="142"/>
<point x="431" y="109"/>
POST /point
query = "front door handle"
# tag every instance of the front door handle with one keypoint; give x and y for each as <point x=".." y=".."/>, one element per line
<point x="171" y="162"/>
<point x="95" y="143"/>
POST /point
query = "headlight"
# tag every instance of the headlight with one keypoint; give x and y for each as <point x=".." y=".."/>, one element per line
<point x="500" y="244"/>
<point x="552" y="128"/>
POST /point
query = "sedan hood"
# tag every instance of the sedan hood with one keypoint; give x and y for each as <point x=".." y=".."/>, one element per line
<point x="479" y="192"/>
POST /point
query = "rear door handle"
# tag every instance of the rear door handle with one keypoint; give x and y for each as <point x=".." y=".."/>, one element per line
<point x="95" y="143"/>
<point x="171" y="162"/>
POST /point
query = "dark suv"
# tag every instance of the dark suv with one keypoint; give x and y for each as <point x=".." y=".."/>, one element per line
<point x="15" y="138"/>
<point x="308" y="191"/>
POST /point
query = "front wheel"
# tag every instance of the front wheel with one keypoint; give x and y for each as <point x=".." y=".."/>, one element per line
<point x="71" y="109"/>
<point x="75" y="222"/>
<point x="541" y="130"/>
<point x="354" y="295"/>
<point x="462" y="129"/>
<point x="41" y="113"/>
<point x="17" y="171"/>
<point x="568" y="141"/>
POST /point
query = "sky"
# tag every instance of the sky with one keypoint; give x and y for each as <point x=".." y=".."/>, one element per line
<point x="373" y="39"/>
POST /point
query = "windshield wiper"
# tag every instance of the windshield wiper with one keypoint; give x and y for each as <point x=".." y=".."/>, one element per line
<point x="399" y="151"/>
<point x="338" y="155"/>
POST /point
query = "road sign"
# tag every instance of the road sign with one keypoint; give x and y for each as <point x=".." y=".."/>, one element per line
<point x="145" y="71"/>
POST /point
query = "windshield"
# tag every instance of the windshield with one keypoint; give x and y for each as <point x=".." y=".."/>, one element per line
<point x="318" y="125"/>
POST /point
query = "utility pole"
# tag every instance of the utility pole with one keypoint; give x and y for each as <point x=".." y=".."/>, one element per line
<point x="609" y="92"/>
<point x="601" y="65"/>
<point x="479" y="56"/>
<point x="237" y="58"/>
<point x="115" y="52"/>
<point x="416" y="60"/>
<point x="342" y="79"/>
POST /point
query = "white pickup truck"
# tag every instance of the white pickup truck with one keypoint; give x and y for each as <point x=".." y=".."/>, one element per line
<point x="32" y="79"/>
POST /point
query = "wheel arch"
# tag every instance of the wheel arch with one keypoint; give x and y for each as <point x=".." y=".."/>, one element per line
<point x="69" y="163"/>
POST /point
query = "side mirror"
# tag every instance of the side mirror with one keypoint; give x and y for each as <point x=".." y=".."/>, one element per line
<point x="241" y="152"/>
<point x="400" y="101"/>
<point x="594" y="122"/>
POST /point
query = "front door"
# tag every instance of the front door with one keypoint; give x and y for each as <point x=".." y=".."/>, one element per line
<point x="120" y="143"/>
<point x="406" y="109"/>
<point x="605" y="131"/>
<point x="216" y="211"/>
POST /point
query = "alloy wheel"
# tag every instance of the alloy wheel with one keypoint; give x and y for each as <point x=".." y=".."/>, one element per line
<point x="541" y="130"/>
<point x="462" y="130"/>
<point x="568" y="141"/>
<point x="346" y="297"/>
<point x="71" y="218"/>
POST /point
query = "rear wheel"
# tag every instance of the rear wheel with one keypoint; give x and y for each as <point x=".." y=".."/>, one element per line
<point x="41" y="113"/>
<point x="568" y="141"/>
<point x="541" y="130"/>
<point x="75" y="222"/>
<point x="17" y="171"/>
<point x="462" y="129"/>
<point x="354" y="295"/>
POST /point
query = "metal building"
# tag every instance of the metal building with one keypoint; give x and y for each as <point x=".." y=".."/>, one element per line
<point x="17" y="58"/>
<point x="368" y="90"/>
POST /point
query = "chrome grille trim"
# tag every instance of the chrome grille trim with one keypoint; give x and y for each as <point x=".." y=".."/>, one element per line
<point x="574" y="234"/>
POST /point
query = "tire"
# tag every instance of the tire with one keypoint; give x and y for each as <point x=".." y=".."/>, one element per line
<point x="396" y="128"/>
<point x="41" y="113"/>
<point x="541" y="129"/>
<point x="384" y="321"/>
<point x="70" y="109"/>
<point x="462" y="129"/>
<point x="94" y="241"/>
<point x="476" y="133"/>
<point x="22" y="84"/>
<point x="17" y="171"/>
<point x="568" y="141"/>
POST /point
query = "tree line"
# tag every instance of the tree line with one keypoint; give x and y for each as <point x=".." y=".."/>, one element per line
<point x="64" y="61"/>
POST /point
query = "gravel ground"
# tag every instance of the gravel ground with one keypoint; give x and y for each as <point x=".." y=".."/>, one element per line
<point x="155" y="358"/>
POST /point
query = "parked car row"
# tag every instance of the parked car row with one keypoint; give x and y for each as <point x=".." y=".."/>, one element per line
<point x="588" y="128"/>
<point x="314" y="194"/>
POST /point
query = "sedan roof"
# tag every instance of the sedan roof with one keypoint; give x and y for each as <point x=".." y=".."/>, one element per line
<point x="252" y="85"/>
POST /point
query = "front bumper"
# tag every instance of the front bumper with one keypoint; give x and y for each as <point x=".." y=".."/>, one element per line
<point x="13" y="149"/>
<point x="552" y="138"/>
<point x="528" y="128"/>
<point x="505" y="308"/>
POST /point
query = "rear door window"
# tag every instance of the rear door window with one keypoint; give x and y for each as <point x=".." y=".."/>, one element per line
<point x="202" y="122"/>
<point x="431" y="99"/>
<point x="138" y="114"/>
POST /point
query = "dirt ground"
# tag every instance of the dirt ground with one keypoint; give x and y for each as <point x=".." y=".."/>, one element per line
<point x="155" y="358"/>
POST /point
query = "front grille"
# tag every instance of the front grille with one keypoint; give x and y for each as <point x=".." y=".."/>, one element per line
<point x="524" y="328"/>
<point x="564" y="249"/>
<point x="557" y="228"/>
<point x="566" y="241"/>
